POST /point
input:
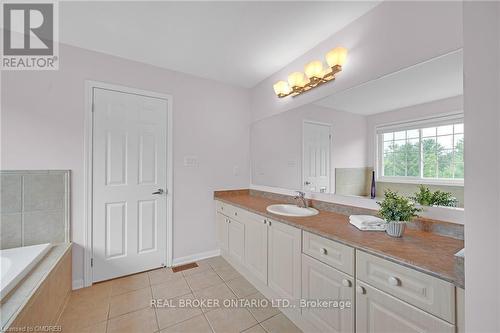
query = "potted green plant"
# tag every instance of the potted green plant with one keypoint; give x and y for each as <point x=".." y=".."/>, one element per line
<point x="396" y="210"/>
<point x="426" y="197"/>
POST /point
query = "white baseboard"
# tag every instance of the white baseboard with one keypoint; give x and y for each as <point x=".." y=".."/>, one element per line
<point x="195" y="257"/>
<point x="77" y="284"/>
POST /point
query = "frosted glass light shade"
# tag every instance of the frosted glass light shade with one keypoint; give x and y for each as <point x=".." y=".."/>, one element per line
<point x="297" y="79"/>
<point x="314" y="69"/>
<point x="337" y="56"/>
<point x="281" y="87"/>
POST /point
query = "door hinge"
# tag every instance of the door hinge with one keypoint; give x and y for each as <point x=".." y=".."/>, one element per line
<point x="91" y="262"/>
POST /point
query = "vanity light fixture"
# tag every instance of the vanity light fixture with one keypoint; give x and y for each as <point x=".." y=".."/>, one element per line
<point x="314" y="74"/>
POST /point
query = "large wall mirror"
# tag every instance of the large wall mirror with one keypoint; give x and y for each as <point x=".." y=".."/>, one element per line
<point x="397" y="132"/>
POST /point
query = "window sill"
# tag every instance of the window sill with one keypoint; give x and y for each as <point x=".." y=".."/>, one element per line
<point x="458" y="183"/>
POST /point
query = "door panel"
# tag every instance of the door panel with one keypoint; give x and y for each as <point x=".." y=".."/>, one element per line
<point x="129" y="164"/>
<point x="147" y="225"/>
<point x="284" y="260"/>
<point x="222" y="231"/>
<point x="116" y="229"/>
<point x="378" y="312"/>
<point x="236" y="240"/>
<point x="322" y="282"/>
<point x="256" y="245"/>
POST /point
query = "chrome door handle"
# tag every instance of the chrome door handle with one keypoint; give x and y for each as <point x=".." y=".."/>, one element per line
<point x="160" y="191"/>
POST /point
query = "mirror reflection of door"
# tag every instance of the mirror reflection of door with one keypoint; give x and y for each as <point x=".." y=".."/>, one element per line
<point x="316" y="139"/>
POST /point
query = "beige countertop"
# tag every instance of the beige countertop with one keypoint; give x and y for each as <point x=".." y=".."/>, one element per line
<point x="424" y="251"/>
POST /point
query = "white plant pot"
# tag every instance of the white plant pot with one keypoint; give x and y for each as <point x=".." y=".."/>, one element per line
<point x="395" y="228"/>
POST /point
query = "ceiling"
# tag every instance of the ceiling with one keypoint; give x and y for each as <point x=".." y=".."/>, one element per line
<point x="239" y="43"/>
<point x="432" y="80"/>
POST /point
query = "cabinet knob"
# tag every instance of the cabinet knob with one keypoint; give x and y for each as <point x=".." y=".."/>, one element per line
<point x="265" y="222"/>
<point x="393" y="281"/>
<point x="323" y="251"/>
<point x="235" y="214"/>
<point x="360" y="290"/>
<point x="269" y="222"/>
<point x="346" y="283"/>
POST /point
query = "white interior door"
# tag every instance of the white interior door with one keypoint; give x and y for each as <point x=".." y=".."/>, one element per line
<point x="316" y="157"/>
<point x="129" y="174"/>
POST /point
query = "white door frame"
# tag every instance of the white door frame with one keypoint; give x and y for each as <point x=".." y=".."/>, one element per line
<point x="88" y="166"/>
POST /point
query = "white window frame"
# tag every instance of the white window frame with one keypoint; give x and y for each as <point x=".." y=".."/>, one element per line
<point x="418" y="123"/>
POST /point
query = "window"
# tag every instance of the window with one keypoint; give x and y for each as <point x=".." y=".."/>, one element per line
<point x="430" y="151"/>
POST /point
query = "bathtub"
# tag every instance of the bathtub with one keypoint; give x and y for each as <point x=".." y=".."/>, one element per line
<point x="16" y="263"/>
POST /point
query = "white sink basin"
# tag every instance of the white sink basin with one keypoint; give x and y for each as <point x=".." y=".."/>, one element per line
<point x="291" y="210"/>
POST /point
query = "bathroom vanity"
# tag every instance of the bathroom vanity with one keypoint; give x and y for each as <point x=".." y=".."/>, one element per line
<point x="407" y="284"/>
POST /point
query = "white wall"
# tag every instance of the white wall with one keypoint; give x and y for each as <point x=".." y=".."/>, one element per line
<point x="276" y="144"/>
<point x="392" y="36"/>
<point x="482" y="160"/>
<point x="430" y="109"/>
<point x="43" y="128"/>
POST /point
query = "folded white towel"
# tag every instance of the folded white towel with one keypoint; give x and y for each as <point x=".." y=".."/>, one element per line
<point x="366" y="220"/>
<point x="372" y="227"/>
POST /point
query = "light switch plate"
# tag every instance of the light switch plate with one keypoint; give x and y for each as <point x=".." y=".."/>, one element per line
<point x="191" y="161"/>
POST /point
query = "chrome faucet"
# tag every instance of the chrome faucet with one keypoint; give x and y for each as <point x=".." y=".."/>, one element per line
<point x="302" y="197"/>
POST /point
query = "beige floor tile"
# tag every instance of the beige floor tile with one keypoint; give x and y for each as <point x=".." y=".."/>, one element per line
<point x="97" y="328"/>
<point x="227" y="273"/>
<point x="241" y="287"/>
<point x="180" y="311"/>
<point x="129" y="283"/>
<point x="143" y="321"/>
<point x="261" y="312"/>
<point x="209" y="296"/>
<point x="230" y="320"/>
<point x="129" y="302"/>
<point x="280" y="324"/>
<point x="171" y="289"/>
<point x="98" y="291"/>
<point x="163" y="275"/>
<point x="205" y="280"/>
<point x="256" y="329"/>
<point x="216" y="262"/>
<point x="78" y="315"/>
<point x="202" y="267"/>
<point x="197" y="324"/>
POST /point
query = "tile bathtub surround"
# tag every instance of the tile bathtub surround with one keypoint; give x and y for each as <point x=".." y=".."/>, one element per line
<point x="424" y="251"/>
<point x="124" y="304"/>
<point x="34" y="207"/>
<point x="353" y="181"/>
<point x="437" y="227"/>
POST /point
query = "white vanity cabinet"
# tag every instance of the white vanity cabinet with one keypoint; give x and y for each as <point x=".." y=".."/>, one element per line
<point x="286" y="262"/>
<point x="284" y="251"/>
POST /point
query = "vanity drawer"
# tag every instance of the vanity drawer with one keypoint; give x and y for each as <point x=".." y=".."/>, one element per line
<point x="224" y="208"/>
<point x="421" y="290"/>
<point x="232" y="211"/>
<point x="330" y="252"/>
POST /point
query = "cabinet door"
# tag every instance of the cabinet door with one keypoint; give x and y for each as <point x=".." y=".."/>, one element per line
<point x="236" y="240"/>
<point x="284" y="260"/>
<point x="378" y="312"/>
<point x="322" y="282"/>
<point x="221" y="224"/>
<point x="256" y="246"/>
